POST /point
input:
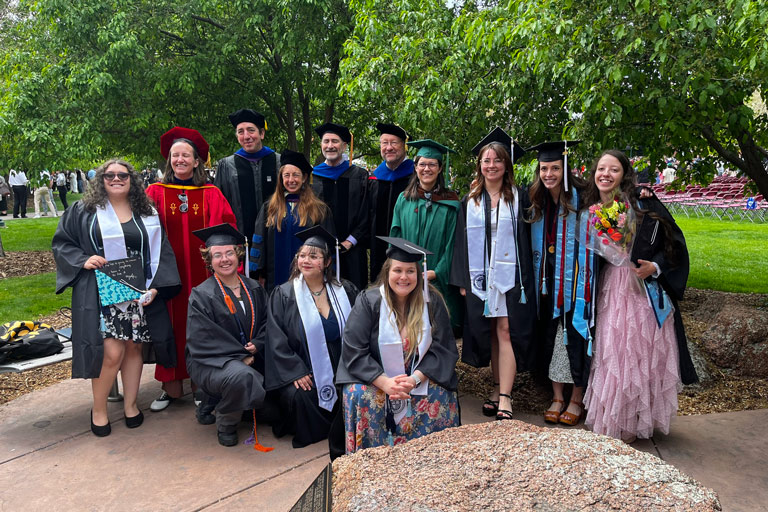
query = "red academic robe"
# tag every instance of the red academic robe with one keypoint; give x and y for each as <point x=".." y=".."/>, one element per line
<point x="207" y="206"/>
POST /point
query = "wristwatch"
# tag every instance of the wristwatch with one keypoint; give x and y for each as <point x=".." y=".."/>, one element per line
<point x="417" y="379"/>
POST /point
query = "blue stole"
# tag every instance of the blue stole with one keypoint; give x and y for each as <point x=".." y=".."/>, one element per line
<point x="287" y="244"/>
<point x="572" y="253"/>
<point x="254" y="157"/>
<point x="384" y="173"/>
<point x="657" y="296"/>
<point x="326" y="171"/>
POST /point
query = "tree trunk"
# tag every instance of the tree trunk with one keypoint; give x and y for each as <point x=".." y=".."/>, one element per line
<point x="2" y="251"/>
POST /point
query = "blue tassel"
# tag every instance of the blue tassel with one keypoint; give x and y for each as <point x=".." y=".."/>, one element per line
<point x="390" y="441"/>
<point x="589" y="346"/>
<point x="486" y="311"/>
<point x="544" y="286"/>
<point x="565" y="334"/>
<point x="523" y="298"/>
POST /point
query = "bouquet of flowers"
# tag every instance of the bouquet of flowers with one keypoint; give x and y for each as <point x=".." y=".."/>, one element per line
<point x="610" y="230"/>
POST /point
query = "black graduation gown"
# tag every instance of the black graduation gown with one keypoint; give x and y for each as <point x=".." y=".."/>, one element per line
<point x="384" y="195"/>
<point x="476" y="343"/>
<point x="247" y="185"/>
<point x="214" y="351"/>
<point x="72" y="246"/>
<point x="266" y="252"/>
<point x="546" y="329"/>
<point x="360" y="356"/>
<point x="674" y="274"/>
<point x="349" y="200"/>
<point x="288" y="359"/>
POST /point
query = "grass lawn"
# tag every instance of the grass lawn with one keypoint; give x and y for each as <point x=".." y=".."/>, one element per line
<point x="30" y="297"/>
<point x="727" y="256"/>
<point x="29" y="234"/>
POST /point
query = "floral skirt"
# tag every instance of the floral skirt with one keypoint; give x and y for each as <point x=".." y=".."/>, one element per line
<point x="125" y="325"/>
<point x="635" y="375"/>
<point x="365" y="416"/>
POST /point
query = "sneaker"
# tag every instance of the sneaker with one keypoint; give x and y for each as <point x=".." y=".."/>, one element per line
<point x="36" y="216"/>
<point x="163" y="401"/>
<point x="198" y="397"/>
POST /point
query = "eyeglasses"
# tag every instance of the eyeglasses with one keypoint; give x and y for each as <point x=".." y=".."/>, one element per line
<point x="122" y="176"/>
<point x="183" y="207"/>
<point x="422" y="165"/>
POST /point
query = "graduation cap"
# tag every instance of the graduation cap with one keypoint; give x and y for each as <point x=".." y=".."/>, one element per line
<point x="342" y="131"/>
<point x="246" y="115"/>
<point x="514" y="149"/>
<point x="177" y="132"/>
<point x="554" y="151"/>
<point x="392" y="129"/>
<point x="318" y="236"/>
<point x="402" y="250"/>
<point x="223" y="234"/>
<point x="288" y="157"/>
<point x="429" y="148"/>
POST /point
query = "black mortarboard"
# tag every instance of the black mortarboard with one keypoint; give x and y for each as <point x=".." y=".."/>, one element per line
<point x="392" y="129"/>
<point x="552" y="151"/>
<point x="221" y="234"/>
<point x="342" y="131"/>
<point x="402" y="250"/>
<point x="246" y="115"/>
<point x="288" y="157"/>
<point x="318" y="236"/>
<point x="503" y="138"/>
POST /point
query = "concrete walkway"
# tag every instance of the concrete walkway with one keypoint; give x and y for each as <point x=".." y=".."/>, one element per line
<point x="49" y="460"/>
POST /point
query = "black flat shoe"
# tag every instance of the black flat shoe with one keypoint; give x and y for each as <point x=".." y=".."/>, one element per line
<point x="227" y="438"/>
<point x="100" y="431"/>
<point x="135" y="421"/>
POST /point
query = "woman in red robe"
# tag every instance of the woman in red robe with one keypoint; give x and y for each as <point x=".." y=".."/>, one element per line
<point x="186" y="201"/>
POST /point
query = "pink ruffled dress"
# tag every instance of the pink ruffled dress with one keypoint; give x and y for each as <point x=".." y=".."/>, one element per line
<point x="635" y="375"/>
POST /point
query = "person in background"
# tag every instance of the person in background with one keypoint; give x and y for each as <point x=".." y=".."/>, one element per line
<point x="72" y="177"/>
<point x="292" y="208"/>
<point x="18" y="182"/>
<point x="41" y="194"/>
<point x="115" y="220"/>
<point x="80" y="181"/>
<point x="186" y="202"/>
<point x="398" y="357"/>
<point x="492" y="267"/>
<point x="62" y="184"/>
<point x="5" y="193"/>
<point x="387" y="183"/>
<point x="306" y="318"/>
<point x="248" y="178"/>
<point x="225" y="333"/>
<point x="425" y="214"/>
<point x="344" y="188"/>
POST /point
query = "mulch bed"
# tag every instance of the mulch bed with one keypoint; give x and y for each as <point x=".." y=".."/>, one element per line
<point x="26" y="263"/>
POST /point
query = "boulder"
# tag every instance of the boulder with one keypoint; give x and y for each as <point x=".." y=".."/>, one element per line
<point x="737" y="338"/>
<point x="508" y="466"/>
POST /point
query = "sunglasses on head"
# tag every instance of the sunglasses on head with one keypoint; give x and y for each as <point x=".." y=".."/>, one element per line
<point x="122" y="176"/>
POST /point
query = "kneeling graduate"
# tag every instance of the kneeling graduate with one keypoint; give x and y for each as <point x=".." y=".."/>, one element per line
<point x="399" y="356"/>
<point x="306" y="317"/>
<point x="225" y="332"/>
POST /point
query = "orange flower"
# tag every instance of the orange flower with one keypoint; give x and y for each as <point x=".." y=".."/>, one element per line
<point x="616" y="236"/>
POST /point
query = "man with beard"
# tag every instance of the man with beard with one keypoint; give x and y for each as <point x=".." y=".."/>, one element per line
<point x="344" y="188"/>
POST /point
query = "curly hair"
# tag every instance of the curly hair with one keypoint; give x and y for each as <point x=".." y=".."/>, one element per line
<point x="96" y="194"/>
<point x="508" y="182"/>
<point x="205" y="252"/>
<point x="199" y="174"/>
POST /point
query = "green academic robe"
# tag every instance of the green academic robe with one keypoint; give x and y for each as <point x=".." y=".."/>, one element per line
<point x="432" y="227"/>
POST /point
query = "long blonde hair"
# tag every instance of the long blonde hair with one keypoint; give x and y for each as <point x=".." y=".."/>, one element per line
<point x="309" y="210"/>
<point x="414" y="307"/>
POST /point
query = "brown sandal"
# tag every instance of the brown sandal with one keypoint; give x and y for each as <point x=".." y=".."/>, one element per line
<point x="554" y="416"/>
<point x="570" y="419"/>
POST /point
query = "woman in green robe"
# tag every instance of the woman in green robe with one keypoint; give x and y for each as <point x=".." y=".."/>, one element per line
<point x="425" y="214"/>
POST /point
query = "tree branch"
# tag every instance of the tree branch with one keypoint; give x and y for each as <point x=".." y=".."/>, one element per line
<point x="731" y="156"/>
<point x="207" y="20"/>
<point x="172" y="36"/>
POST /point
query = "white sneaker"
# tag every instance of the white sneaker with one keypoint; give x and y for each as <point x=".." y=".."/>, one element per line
<point x="36" y="216"/>
<point x="163" y="401"/>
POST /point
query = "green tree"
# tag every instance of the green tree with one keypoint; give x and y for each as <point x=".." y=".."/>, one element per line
<point x="99" y="78"/>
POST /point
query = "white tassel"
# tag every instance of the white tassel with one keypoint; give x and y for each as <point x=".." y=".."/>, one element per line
<point x="338" y="262"/>
<point x="426" y="281"/>
<point x="247" y="269"/>
<point x="565" y="167"/>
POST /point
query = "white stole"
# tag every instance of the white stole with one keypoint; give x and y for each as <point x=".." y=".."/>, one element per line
<point x="322" y="369"/>
<point x="502" y="263"/>
<point x="391" y="349"/>
<point x="113" y="240"/>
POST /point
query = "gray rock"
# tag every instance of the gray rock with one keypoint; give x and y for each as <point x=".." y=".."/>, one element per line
<point x="738" y="339"/>
<point x="508" y="466"/>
